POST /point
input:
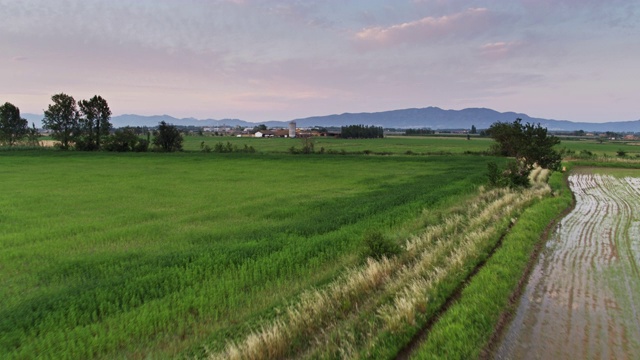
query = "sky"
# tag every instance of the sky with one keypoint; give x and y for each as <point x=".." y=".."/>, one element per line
<point x="261" y="60"/>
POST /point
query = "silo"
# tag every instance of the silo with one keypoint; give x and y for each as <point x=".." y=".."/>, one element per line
<point x="292" y="129"/>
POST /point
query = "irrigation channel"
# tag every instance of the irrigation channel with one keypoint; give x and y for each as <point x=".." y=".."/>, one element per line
<point x="582" y="300"/>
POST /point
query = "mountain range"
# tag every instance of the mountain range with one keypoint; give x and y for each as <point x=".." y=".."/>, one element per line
<point x="431" y="117"/>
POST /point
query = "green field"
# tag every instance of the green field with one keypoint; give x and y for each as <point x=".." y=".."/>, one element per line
<point x="110" y="255"/>
<point x="157" y="255"/>
<point x="606" y="148"/>
<point x="398" y="145"/>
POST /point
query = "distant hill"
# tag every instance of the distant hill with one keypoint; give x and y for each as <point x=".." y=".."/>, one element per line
<point x="151" y="121"/>
<point x="437" y="119"/>
<point x="430" y="117"/>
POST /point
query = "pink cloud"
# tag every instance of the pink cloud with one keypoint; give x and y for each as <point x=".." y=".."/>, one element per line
<point x="499" y="50"/>
<point x="470" y="21"/>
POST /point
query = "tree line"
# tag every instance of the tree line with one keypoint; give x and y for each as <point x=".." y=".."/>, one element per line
<point x="361" y="132"/>
<point x="419" y="132"/>
<point x="84" y="125"/>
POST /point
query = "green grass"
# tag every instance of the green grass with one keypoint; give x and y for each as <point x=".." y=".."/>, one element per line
<point x="606" y="148"/>
<point x="396" y="145"/>
<point x="399" y="145"/>
<point x="465" y="329"/>
<point x="135" y="255"/>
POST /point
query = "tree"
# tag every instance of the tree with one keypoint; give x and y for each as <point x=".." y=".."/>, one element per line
<point x="62" y="119"/>
<point x="167" y="138"/>
<point x="126" y="139"/>
<point x="12" y="126"/>
<point x="473" y="129"/>
<point x="361" y="132"/>
<point x="529" y="144"/>
<point x="539" y="148"/>
<point x="94" y="122"/>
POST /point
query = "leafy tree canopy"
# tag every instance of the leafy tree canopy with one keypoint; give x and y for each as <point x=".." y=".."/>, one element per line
<point x="62" y="119"/>
<point x="530" y="144"/>
<point x="126" y="139"/>
<point x="94" y="122"/>
<point x="12" y="126"/>
<point x="167" y="138"/>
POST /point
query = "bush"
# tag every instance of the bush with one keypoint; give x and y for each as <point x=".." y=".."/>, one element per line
<point x="493" y="173"/>
<point x="223" y="148"/>
<point x="514" y="176"/>
<point x="586" y="154"/>
<point x="167" y="138"/>
<point x="517" y="175"/>
<point x="124" y="140"/>
<point x="227" y="148"/>
<point x="141" y="146"/>
<point x="378" y="246"/>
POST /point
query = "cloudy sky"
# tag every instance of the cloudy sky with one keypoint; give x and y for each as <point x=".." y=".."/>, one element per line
<point x="264" y="60"/>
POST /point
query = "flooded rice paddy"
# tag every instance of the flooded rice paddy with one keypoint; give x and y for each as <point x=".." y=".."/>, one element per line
<point x="583" y="297"/>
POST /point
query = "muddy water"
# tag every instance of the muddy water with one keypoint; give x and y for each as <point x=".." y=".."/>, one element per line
<point x="583" y="297"/>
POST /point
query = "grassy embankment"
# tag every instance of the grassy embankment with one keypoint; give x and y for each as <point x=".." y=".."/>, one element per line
<point x="136" y="255"/>
<point x="467" y="326"/>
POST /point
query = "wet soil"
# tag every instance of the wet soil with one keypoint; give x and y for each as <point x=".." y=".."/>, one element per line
<point x="582" y="300"/>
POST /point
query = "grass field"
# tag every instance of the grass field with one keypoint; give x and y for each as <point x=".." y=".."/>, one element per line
<point x="395" y="145"/>
<point x="606" y="148"/>
<point x="399" y="145"/>
<point x="136" y="255"/>
<point x="167" y="255"/>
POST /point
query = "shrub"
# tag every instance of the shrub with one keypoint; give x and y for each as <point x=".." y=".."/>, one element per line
<point x="516" y="175"/>
<point x="141" y="146"/>
<point x="586" y="154"/>
<point x="125" y="139"/>
<point x="205" y="147"/>
<point x="493" y="173"/>
<point x="378" y="246"/>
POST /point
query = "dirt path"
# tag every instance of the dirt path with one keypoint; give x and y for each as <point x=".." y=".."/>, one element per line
<point x="583" y="297"/>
